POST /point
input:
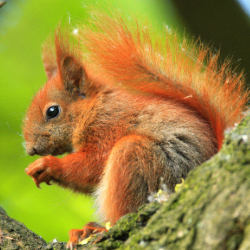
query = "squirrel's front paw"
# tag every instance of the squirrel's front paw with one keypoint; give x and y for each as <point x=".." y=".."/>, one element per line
<point x="39" y="170"/>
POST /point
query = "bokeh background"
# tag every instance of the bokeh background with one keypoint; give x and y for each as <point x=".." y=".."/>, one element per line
<point x="24" y="25"/>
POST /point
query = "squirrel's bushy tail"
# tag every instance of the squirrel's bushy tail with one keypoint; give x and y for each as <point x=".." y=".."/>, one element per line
<point x="169" y="68"/>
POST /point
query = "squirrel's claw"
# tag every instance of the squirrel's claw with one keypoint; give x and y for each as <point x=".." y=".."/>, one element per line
<point x="37" y="183"/>
<point x="70" y="246"/>
<point x="39" y="171"/>
<point x="48" y="183"/>
<point x="77" y="235"/>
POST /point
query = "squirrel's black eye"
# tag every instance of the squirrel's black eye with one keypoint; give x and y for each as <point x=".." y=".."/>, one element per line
<point x="52" y="112"/>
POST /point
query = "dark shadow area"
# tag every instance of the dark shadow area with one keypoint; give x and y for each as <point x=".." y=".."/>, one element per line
<point x="222" y="24"/>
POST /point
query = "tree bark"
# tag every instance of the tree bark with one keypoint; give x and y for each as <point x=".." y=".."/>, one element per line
<point x="210" y="211"/>
<point x="14" y="235"/>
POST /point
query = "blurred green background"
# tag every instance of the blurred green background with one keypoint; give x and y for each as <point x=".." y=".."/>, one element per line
<point x="24" y="25"/>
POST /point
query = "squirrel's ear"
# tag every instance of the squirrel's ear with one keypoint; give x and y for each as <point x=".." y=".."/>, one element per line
<point x="50" y="70"/>
<point x="72" y="73"/>
<point x="49" y="59"/>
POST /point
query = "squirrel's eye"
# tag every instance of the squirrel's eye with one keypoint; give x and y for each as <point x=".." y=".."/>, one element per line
<point x="52" y="112"/>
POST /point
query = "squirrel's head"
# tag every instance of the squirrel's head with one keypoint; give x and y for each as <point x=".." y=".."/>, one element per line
<point x="51" y="118"/>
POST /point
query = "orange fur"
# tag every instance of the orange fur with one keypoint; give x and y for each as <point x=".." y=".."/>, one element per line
<point x="129" y="110"/>
<point x="171" y="69"/>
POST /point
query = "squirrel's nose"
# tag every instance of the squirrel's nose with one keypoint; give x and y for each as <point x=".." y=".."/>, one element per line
<point x="31" y="150"/>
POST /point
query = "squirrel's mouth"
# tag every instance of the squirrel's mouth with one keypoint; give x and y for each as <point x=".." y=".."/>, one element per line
<point x="49" y="151"/>
<point x="43" y="149"/>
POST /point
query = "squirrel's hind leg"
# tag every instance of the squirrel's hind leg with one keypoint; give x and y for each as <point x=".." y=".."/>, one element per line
<point x="132" y="172"/>
<point x="77" y="235"/>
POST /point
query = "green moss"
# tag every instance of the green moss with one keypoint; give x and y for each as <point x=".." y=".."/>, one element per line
<point x="211" y="210"/>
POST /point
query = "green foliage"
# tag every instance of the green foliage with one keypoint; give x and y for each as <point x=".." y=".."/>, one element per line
<point x="50" y="212"/>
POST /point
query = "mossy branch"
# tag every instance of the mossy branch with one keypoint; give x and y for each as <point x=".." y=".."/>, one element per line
<point x="211" y="210"/>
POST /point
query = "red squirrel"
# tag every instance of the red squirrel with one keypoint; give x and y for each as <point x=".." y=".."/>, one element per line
<point x="130" y="110"/>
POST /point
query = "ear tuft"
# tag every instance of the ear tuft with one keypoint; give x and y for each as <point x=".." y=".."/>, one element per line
<point x="50" y="70"/>
<point x="68" y="60"/>
<point x="49" y="58"/>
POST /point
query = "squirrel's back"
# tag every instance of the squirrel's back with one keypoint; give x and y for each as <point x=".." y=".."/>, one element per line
<point x="167" y="67"/>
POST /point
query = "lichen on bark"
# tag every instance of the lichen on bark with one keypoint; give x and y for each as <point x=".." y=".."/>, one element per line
<point x="211" y="210"/>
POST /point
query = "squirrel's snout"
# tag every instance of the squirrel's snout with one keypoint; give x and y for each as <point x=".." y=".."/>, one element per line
<point x="31" y="150"/>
